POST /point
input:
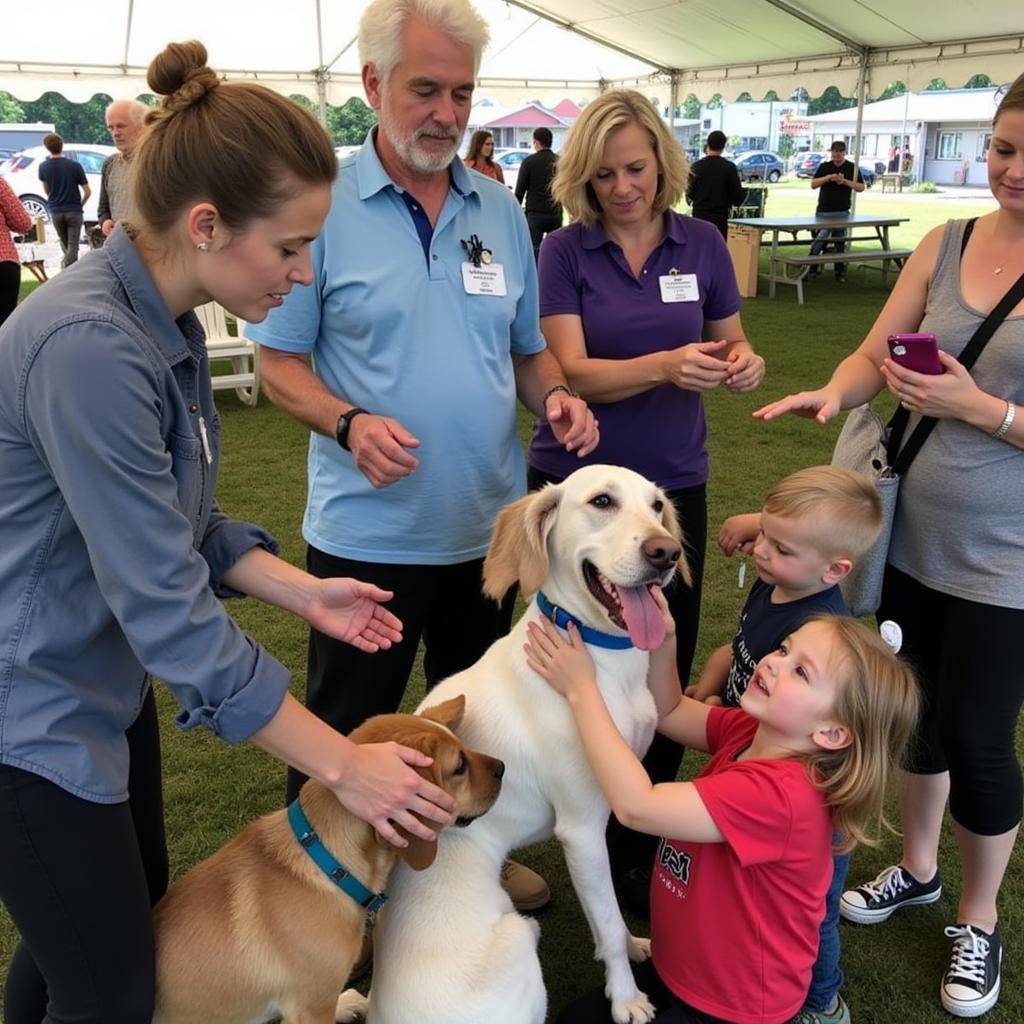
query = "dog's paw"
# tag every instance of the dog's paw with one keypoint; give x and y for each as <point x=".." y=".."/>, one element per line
<point x="638" y="949"/>
<point x="633" y="1011"/>
<point x="352" y="1006"/>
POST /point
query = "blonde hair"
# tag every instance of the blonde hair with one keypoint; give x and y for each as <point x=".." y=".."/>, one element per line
<point x="842" y="506"/>
<point x="383" y="21"/>
<point x="584" y="149"/>
<point x="878" y="702"/>
<point x="1012" y="98"/>
<point x="237" y="145"/>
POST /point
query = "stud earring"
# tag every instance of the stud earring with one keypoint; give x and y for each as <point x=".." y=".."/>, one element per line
<point x="203" y="246"/>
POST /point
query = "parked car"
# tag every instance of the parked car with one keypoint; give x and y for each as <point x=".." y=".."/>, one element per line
<point x="21" y="172"/>
<point x="760" y="166"/>
<point x="510" y="159"/>
<point x="807" y="167"/>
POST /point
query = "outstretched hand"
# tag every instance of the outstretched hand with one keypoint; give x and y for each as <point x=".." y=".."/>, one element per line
<point x="817" y="405"/>
<point x="565" y="665"/>
<point x="352" y="611"/>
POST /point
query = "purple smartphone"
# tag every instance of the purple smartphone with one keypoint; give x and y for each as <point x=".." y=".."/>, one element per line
<point x="917" y="352"/>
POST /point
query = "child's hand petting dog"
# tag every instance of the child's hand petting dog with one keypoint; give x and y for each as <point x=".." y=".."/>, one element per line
<point x="565" y="665"/>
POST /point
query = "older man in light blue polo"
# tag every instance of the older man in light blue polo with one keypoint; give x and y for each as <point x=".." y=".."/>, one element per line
<point x="405" y="360"/>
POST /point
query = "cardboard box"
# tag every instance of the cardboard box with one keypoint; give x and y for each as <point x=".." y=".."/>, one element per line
<point x="744" y="247"/>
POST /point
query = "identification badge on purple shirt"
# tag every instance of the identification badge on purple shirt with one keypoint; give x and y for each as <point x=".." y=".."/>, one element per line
<point x="679" y="288"/>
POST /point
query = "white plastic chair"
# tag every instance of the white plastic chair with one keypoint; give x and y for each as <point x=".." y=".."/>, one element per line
<point x="244" y="355"/>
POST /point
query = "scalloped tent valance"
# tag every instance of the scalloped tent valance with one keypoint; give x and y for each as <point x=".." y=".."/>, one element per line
<point x="540" y="49"/>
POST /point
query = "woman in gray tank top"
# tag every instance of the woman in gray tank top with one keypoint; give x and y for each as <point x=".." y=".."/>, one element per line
<point x="955" y="566"/>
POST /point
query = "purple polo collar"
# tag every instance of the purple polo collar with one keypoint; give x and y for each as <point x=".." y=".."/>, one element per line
<point x="594" y="237"/>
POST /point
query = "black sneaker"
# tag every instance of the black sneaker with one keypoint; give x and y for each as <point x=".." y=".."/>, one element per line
<point x="971" y="985"/>
<point x="895" y="887"/>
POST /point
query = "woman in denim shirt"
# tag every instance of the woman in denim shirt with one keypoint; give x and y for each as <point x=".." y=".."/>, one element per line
<point x="113" y="552"/>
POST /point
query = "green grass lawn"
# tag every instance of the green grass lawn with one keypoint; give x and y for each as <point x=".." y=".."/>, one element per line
<point x="212" y="790"/>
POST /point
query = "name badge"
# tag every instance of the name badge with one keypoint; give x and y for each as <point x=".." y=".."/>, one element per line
<point x="487" y="279"/>
<point x="679" y="288"/>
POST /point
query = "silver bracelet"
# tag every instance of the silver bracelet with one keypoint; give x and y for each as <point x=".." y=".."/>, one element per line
<point x="1001" y="431"/>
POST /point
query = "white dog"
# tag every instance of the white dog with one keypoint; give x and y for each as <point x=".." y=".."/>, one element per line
<point x="450" y="948"/>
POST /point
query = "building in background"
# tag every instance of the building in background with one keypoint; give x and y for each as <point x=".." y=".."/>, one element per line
<point x="759" y="125"/>
<point x="512" y="128"/>
<point x="948" y="132"/>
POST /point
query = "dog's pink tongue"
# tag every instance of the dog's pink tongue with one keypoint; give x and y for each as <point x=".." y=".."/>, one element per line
<point x="643" y="618"/>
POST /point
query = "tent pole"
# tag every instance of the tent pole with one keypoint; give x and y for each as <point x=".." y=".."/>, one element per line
<point x="862" y="80"/>
<point x="321" y="71"/>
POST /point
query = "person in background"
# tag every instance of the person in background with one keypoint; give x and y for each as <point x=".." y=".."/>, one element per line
<point x="14" y="220"/>
<point x="422" y="331"/>
<point x="640" y="306"/>
<point x="125" y="122"/>
<point x="746" y="855"/>
<point x="105" y="404"/>
<point x="714" y="186"/>
<point x="536" y="172"/>
<point x="955" y="564"/>
<point x="837" y="179"/>
<point x="67" y="190"/>
<point x="481" y="155"/>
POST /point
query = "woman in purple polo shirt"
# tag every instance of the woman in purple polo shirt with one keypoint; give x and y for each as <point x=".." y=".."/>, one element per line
<point x="640" y="306"/>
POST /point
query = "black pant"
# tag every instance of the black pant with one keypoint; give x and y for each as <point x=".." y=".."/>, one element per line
<point x="10" y="283"/>
<point x="626" y="848"/>
<point x="594" y="1007"/>
<point x="69" y="231"/>
<point x="78" y="879"/>
<point x="720" y="220"/>
<point x="443" y="604"/>
<point x="965" y="655"/>
<point x="540" y="224"/>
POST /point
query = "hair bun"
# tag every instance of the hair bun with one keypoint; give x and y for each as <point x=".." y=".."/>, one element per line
<point x="180" y="74"/>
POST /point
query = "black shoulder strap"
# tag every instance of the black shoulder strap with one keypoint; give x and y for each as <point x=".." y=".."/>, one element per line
<point x="898" y="424"/>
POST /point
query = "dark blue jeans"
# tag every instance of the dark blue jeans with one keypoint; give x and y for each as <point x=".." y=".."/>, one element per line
<point x="827" y="977"/>
<point x="837" y="237"/>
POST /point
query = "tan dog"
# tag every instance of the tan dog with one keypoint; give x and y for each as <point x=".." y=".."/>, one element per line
<point x="259" y="930"/>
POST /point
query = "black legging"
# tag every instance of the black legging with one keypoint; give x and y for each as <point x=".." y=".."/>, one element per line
<point x="626" y="848"/>
<point x="78" y="879"/>
<point x="10" y="283"/>
<point x="965" y="655"/>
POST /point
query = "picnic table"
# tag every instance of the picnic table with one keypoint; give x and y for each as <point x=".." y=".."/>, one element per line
<point x="783" y="269"/>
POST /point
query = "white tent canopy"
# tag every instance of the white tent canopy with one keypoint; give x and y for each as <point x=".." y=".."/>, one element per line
<point x="542" y="49"/>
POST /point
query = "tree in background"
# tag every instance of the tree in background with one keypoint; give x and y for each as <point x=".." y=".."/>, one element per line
<point x="76" y="122"/>
<point x="349" y="123"/>
<point x="689" y="108"/>
<point x="11" y="111"/>
<point x="830" y="99"/>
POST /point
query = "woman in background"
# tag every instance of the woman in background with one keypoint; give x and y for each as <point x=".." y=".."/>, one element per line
<point x="481" y="155"/>
<point x="14" y="219"/>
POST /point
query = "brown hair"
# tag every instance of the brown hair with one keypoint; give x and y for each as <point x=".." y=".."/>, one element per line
<point x="841" y="508"/>
<point x="476" y="144"/>
<point x="878" y="702"/>
<point x="54" y="143"/>
<point x="1012" y="98"/>
<point x="237" y="145"/>
<point x="584" y="148"/>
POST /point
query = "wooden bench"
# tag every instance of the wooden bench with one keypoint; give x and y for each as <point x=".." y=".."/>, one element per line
<point x="865" y="257"/>
<point x="892" y="181"/>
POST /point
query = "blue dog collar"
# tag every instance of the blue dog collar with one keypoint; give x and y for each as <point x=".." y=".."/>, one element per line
<point x="561" y="618"/>
<point x="370" y="901"/>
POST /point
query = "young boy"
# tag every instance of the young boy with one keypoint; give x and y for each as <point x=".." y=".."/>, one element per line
<point x="813" y="527"/>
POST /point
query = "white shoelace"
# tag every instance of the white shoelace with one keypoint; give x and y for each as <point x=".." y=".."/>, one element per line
<point x="889" y="883"/>
<point x="970" y="951"/>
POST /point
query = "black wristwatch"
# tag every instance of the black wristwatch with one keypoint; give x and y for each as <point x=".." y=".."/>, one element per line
<point x="344" y="423"/>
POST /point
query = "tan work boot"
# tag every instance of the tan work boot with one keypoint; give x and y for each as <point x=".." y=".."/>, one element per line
<point x="526" y="889"/>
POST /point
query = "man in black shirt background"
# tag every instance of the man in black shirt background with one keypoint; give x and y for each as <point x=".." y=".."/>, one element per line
<point x="714" y="185"/>
<point x="837" y="180"/>
<point x="543" y="214"/>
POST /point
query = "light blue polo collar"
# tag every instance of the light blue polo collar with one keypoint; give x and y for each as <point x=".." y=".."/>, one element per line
<point x="561" y="618"/>
<point x="304" y="832"/>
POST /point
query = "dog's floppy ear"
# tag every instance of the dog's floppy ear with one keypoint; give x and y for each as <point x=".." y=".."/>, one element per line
<point x="420" y="853"/>
<point x="670" y="520"/>
<point x="449" y="713"/>
<point x="518" y="548"/>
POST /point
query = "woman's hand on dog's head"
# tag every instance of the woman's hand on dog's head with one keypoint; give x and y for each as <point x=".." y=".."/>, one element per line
<point x="565" y="664"/>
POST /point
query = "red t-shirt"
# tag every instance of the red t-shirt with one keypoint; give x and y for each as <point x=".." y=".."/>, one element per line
<point x="734" y="925"/>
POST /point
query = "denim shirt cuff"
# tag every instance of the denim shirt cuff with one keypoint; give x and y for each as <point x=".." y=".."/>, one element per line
<point x="247" y="710"/>
<point x="225" y="545"/>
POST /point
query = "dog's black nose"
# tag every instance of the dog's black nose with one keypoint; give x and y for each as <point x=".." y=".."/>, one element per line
<point x="499" y="769"/>
<point x="661" y="552"/>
